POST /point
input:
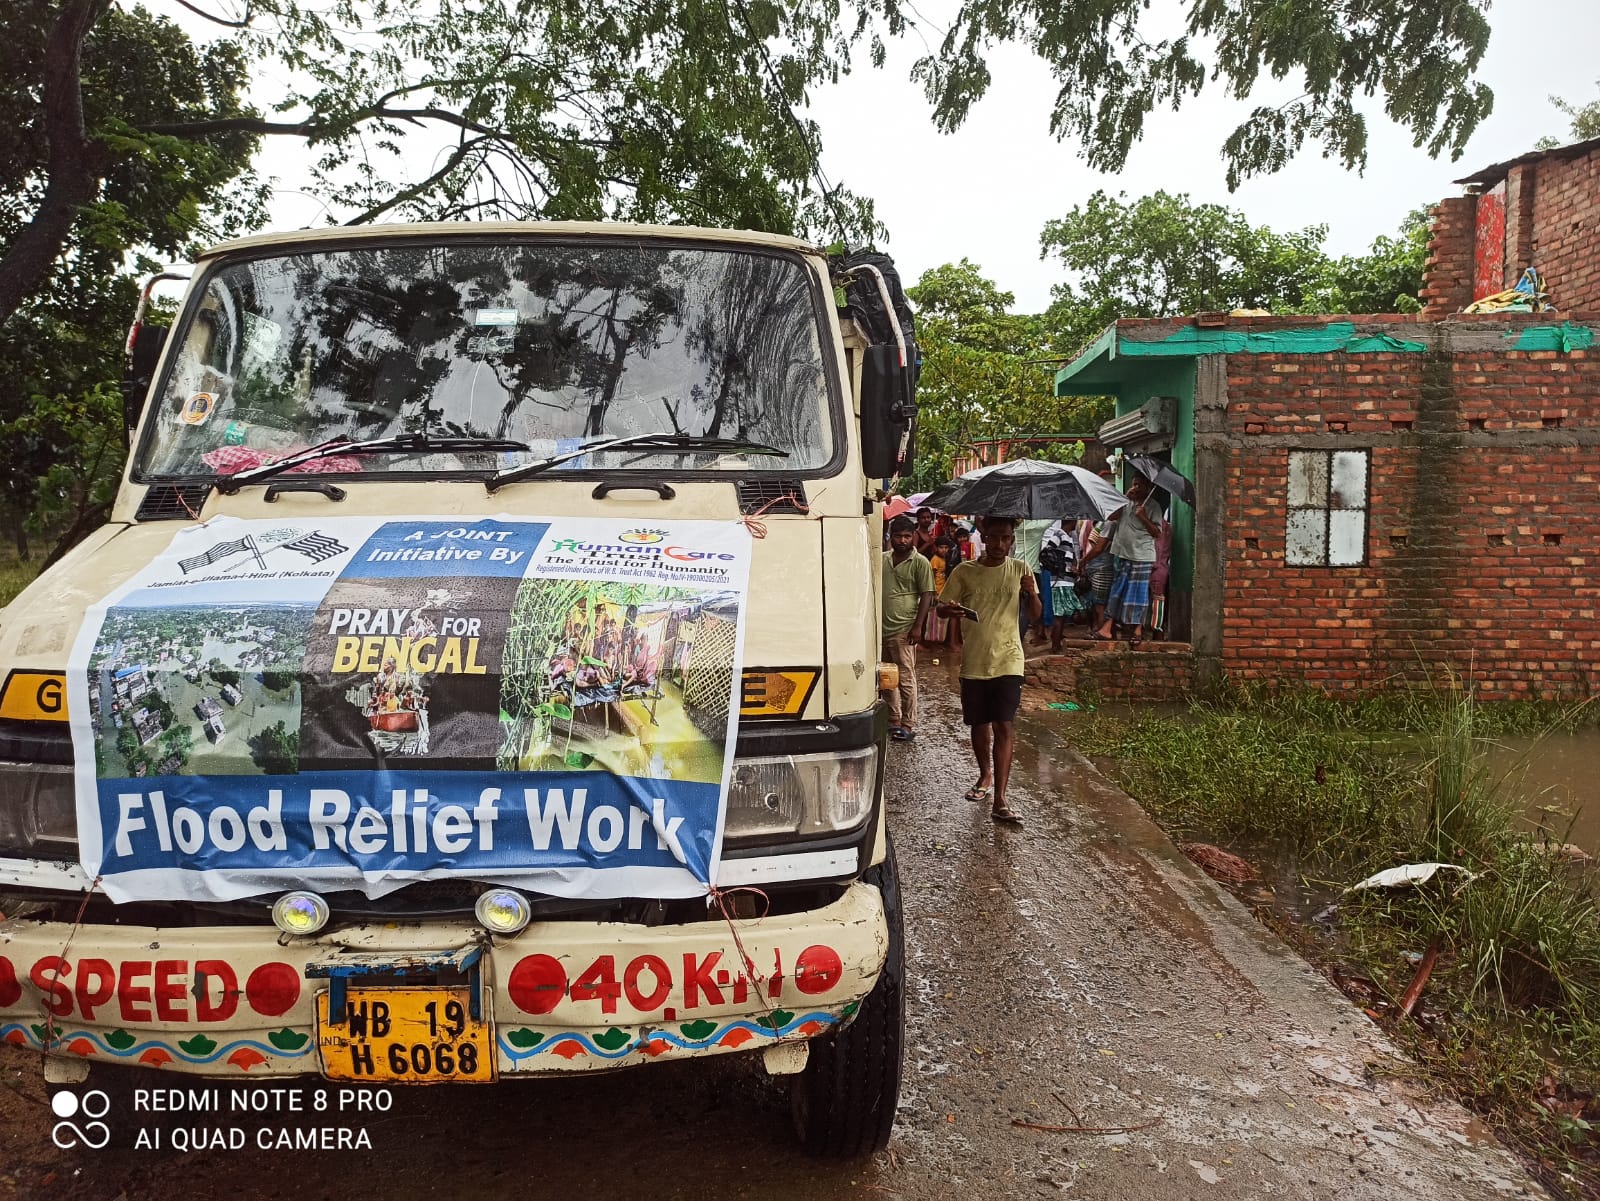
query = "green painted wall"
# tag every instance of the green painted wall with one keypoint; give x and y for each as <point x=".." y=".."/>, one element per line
<point x="1172" y="377"/>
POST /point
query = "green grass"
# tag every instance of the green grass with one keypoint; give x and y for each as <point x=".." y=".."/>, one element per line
<point x="1511" y="1016"/>
<point x="1405" y="708"/>
<point x="1258" y="779"/>
<point x="15" y="575"/>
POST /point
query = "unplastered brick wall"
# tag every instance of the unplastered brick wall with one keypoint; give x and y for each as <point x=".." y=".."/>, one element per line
<point x="1093" y="672"/>
<point x="1552" y="223"/>
<point x="1447" y="271"/>
<point x="1155" y="672"/>
<point x="1483" y="525"/>
<point x="1566" y="229"/>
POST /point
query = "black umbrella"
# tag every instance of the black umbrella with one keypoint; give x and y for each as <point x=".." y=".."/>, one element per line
<point x="1029" y="488"/>
<point x="1162" y="475"/>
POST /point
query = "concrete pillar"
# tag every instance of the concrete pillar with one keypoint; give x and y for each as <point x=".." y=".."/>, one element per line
<point x="1211" y="455"/>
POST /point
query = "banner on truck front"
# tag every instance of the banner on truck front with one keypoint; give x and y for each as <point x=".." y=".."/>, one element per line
<point x="358" y="703"/>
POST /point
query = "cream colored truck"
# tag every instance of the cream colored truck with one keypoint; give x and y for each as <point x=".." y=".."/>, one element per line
<point x="471" y="364"/>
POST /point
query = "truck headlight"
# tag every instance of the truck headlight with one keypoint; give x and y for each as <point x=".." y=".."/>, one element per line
<point x="38" y="811"/>
<point x="800" y="795"/>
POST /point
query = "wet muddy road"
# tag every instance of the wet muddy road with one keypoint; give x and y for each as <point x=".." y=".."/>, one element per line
<point x="1075" y="972"/>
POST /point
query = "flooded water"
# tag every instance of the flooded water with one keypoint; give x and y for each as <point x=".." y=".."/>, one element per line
<point x="1558" y="777"/>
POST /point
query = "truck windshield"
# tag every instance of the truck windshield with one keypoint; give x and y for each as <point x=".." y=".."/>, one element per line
<point x="547" y="345"/>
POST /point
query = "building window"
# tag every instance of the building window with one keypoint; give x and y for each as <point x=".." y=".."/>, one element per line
<point x="1327" y="508"/>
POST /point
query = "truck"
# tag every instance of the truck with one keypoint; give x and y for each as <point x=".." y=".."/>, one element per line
<point x="296" y="749"/>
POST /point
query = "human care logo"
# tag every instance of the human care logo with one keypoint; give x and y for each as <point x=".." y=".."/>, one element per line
<point x="79" y="1124"/>
<point x="642" y="537"/>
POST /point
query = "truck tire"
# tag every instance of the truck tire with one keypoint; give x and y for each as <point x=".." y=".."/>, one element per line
<point x="844" y="1100"/>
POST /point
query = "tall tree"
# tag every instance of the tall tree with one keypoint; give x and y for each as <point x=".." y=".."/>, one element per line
<point x="686" y="110"/>
<point x="1116" y="61"/>
<point x="1585" y="119"/>
<point x="1387" y="279"/>
<point x="1161" y="255"/>
<point x="679" y="112"/>
<point x="79" y="180"/>
<point x="60" y="418"/>
<point x="986" y="372"/>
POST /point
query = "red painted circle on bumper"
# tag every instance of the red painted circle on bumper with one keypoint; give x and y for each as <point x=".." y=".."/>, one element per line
<point x="273" y="988"/>
<point x="817" y="969"/>
<point x="537" y="984"/>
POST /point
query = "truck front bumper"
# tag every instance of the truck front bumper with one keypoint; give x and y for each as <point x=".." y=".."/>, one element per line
<point x="239" y="1000"/>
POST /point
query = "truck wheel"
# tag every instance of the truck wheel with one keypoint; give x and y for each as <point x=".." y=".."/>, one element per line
<point x="844" y="1101"/>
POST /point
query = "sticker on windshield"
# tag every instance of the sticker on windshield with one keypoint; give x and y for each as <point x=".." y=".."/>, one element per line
<point x="197" y="410"/>
<point x="495" y="317"/>
<point x="360" y="703"/>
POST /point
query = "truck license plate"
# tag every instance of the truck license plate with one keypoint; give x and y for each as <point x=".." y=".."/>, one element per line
<point x="406" y="1036"/>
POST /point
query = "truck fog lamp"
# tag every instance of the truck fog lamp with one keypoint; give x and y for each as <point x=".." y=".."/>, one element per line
<point x="503" y="911"/>
<point x="299" y="913"/>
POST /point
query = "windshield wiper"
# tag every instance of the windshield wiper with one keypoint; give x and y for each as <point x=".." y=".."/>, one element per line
<point x="657" y="443"/>
<point x="398" y="444"/>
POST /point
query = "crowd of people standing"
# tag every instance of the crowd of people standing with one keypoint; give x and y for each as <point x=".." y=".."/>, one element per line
<point x="1108" y="576"/>
<point x="982" y="588"/>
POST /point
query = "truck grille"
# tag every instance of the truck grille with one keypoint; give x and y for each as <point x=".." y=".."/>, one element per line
<point x="772" y="496"/>
<point x="173" y="502"/>
<point x="36" y="742"/>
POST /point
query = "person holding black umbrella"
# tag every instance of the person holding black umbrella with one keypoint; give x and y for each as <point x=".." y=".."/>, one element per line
<point x="1133" y="558"/>
<point x="984" y="594"/>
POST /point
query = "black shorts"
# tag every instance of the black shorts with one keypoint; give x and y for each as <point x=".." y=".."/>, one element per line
<point x="985" y="701"/>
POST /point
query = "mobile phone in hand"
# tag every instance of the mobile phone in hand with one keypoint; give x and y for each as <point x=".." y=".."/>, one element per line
<point x="969" y="614"/>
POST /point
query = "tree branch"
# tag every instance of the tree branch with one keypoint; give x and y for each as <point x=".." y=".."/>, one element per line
<point x="430" y="113"/>
<point x="74" y="164"/>
<point x="457" y="157"/>
<point x="243" y="23"/>
<point x="201" y="129"/>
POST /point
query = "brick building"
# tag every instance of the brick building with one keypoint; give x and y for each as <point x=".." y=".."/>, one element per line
<point x="1540" y="210"/>
<point x="1381" y="497"/>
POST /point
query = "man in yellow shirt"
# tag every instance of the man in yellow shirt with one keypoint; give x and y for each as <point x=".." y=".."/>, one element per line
<point x="984" y="594"/>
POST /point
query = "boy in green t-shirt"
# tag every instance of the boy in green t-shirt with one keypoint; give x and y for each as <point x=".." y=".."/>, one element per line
<point x="907" y="595"/>
<point x="984" y="594"/>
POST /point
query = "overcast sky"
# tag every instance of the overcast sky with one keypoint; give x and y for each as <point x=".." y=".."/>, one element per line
<point x="985" y="192"/>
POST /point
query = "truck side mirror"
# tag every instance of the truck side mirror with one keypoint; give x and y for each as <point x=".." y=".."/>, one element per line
<point x="888" y="409"/>
<point x="144" y="352"/>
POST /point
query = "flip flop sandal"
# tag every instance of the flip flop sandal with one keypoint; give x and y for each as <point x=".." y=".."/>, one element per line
<point x="1006" y="816"/>
<point x="977" y="794"/>
<point x="901" y="734"/>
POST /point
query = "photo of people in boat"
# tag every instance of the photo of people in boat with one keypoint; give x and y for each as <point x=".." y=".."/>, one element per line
<point x="624" y="677"/>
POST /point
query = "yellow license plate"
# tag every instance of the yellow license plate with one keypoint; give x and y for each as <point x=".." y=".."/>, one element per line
<point x="406" y="1036"/>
